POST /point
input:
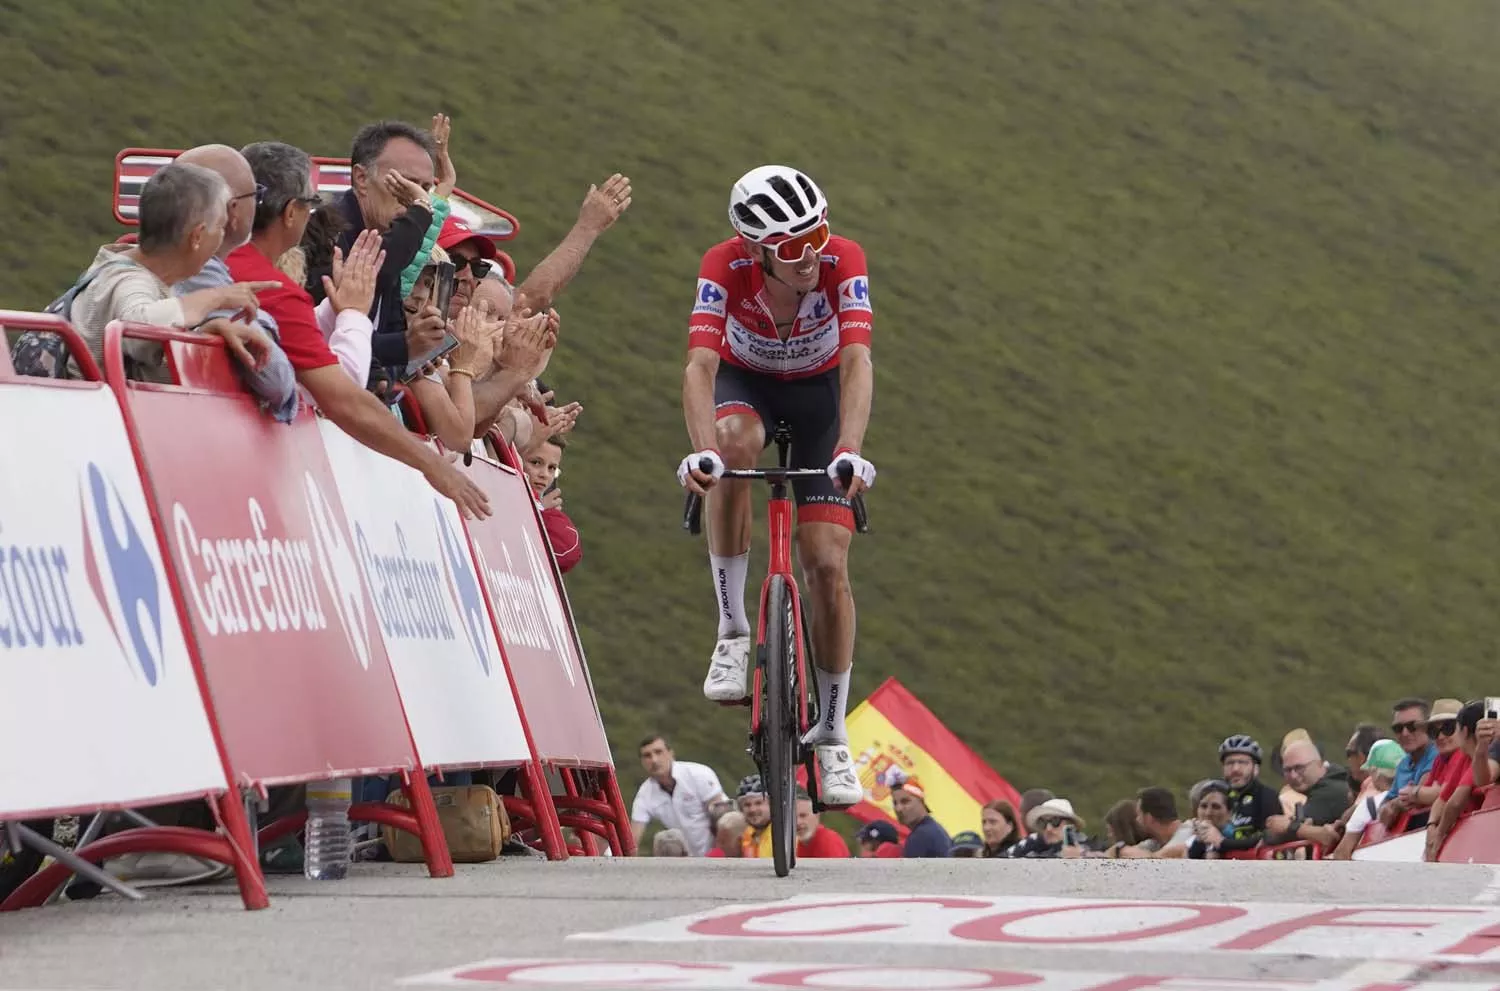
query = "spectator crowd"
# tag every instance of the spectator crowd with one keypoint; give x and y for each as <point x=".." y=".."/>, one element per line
<point x="377" y="306"/>
<point x="1423" y="777"/>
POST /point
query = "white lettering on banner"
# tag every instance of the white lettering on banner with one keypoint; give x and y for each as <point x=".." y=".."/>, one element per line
<point x="35" y="598"/>
<point x="246" y="584"/>
<point x="415" y="597"/>
<point x="1363" y="932"/>
<point x="528" y="609"/>
<point x="733" y="976"/>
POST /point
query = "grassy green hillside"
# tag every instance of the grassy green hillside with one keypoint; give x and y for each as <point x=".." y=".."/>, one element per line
<point x="1185" y="349"/>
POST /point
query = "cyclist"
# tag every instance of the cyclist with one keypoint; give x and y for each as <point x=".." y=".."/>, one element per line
<point x="780" y="330"/>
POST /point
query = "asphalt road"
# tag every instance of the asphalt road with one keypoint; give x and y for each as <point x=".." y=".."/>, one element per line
<point x="685" y="924"/>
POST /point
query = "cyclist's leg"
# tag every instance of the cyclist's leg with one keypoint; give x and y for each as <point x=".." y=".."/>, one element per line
<point x="741" y="436"/>
<point x="825" y="526"/>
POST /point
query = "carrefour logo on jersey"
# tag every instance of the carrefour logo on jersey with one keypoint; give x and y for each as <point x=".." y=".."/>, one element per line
<point x="419" y="597"/>
<point x="854" y="294"/>
<point x="39" y="583"/>
<point x="711" y="297"/>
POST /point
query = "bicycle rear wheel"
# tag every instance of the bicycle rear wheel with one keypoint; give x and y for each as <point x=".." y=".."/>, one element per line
<point x="780" y="725"/>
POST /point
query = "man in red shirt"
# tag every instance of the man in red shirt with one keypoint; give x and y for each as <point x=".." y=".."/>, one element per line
<point x="281" y="216"/>
<point x="815" y="840"/>
<point x="1456" y="797"/>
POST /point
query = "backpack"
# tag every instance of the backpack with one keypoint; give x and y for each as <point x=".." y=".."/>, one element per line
<point x="41" y="353"/>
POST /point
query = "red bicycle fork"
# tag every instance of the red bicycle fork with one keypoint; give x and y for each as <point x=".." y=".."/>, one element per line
<point x="779" y="512"/>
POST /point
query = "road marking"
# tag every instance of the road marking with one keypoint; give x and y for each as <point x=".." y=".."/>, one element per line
<point x="1412" y="934"/>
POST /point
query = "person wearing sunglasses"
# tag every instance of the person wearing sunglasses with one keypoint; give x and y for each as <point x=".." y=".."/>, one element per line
<point x="1409" y="720"/>
<point x="472" y="255"/>
<point x="780" y="331"/>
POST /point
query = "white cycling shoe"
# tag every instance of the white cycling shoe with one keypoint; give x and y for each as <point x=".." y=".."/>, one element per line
<point x="838" y="784"/>
<point x="729" y="670"/>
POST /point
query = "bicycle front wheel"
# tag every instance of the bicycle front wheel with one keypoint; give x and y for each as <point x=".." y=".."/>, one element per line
<point x="781" y="724"/>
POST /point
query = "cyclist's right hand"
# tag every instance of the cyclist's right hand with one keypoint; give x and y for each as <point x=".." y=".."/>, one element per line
<point x="690" y="474"/>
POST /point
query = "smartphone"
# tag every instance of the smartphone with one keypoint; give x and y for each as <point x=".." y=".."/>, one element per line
<point x="551" y="485"/>
<point x="442" y="293"/>
<point x="1070" y="837"/>
<point x="1491" y="707"/>
<point x="442" y="297"/>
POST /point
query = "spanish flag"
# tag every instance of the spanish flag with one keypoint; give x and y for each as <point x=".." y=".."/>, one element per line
<point x="892" y="731"/>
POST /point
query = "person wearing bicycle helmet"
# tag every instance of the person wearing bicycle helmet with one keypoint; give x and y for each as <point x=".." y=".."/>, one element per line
<point x="780" y="332"/>
<point x="756" y="808"/>
<point x="1251" y="801"/>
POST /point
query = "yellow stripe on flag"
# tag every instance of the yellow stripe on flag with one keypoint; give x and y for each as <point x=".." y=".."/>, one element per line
<point x="877" y="745"/>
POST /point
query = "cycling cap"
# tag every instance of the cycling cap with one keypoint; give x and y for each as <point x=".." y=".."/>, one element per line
<point x="1240" y="744"/>
<point x="750" y="785"/>
<point x="775" y="201"/>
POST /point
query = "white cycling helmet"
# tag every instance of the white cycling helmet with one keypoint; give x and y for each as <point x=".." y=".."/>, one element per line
<point x="775" y="201"/>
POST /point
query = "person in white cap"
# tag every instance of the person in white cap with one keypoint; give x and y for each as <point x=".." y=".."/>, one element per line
<point x="1055" y="832"/>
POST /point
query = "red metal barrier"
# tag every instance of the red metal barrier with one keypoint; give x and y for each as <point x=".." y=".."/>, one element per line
<point x="118" y="668"/>
<point x="530" y="609"/>
<point x="301" y="685"/>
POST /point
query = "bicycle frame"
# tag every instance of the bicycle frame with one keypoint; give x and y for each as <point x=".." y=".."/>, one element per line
<point x="779" y="522"/>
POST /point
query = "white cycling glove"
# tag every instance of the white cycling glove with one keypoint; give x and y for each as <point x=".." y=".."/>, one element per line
<point x="690" y="463"/>
<point x="863" y="470"/>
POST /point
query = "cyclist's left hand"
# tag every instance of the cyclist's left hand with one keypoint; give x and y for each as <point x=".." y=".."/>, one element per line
<point x="864" y="472"/>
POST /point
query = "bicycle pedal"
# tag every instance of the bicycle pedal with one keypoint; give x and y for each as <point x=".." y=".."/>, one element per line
<point x="742" y="703"/>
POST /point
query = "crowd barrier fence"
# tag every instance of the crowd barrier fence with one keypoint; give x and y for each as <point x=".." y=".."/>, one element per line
<point x="234" y="604"/>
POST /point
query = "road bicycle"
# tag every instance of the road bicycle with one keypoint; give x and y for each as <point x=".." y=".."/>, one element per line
<point x="783" y="703"/>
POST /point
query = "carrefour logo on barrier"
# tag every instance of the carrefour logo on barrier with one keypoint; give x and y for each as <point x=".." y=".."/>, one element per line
<point x="340" y="572"/>
<point x="123" y="574"/>
<point x="37" y="584"/>
<point x="464" y="584"/>
<point x="415" y="596"/>
<point x="528" y="612"/>
<point x="259" y="579"/>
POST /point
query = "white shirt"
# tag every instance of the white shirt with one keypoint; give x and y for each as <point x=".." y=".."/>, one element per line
<point x="1360" y="817"/>
<point x="686" y="808"/>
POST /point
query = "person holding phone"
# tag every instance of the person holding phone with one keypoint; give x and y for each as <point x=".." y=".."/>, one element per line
<point x="543" y="464"/>
<point x="1056" y="831"/>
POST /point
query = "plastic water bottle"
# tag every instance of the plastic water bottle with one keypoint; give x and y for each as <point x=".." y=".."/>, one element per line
<point x="327" y="846"/>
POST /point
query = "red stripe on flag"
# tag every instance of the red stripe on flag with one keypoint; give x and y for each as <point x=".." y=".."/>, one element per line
<point x="917" y="723"/>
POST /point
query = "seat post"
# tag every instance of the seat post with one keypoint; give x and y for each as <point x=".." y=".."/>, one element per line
<point x="782" y="435"/>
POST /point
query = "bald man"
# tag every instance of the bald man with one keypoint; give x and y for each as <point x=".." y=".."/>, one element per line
<point x="1325" y="792"/>
<point x="275" y="384"/>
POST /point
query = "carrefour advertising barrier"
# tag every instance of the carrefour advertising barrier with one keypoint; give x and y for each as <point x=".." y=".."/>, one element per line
<point x="99" y="704"/>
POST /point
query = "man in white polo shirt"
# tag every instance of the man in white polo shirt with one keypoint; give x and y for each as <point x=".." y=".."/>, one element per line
<point x="676" y="794"/>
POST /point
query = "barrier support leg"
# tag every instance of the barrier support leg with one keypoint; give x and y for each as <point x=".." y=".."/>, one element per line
<point x="429" y="830"/>
<point x="585" y="838"/>
<point x="611" y="789"/>
<point x="231" y="814"/>
<point x="534" y="782"/>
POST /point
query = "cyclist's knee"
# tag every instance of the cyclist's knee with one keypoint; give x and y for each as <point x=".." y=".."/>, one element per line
<point x="741" y="438"/>
<point x="823" y="549"/>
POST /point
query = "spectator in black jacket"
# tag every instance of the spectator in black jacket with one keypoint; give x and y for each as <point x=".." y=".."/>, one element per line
<point x="396" y="171"/>
<point x="1251" y="801"/>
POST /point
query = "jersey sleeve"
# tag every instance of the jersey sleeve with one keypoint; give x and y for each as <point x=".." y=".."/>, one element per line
<point x="852" y="279"/>
<point x="711" y="304"/>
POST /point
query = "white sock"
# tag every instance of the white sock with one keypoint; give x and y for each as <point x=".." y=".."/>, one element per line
<point x="833" y="692"/>
<point x="729" y="593"/>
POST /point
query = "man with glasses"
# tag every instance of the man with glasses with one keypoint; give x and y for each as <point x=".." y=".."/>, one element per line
<point x="1325" y="792"/>
<point x="472" y="255"/>
<point x="1251" y="800"/>
<point x="274" y="384"/>
<point x="780" y="331"/>
<point x="1409" y="727"/>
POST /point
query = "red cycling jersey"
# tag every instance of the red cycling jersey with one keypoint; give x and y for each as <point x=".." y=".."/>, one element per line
<point x="731" y="314"/>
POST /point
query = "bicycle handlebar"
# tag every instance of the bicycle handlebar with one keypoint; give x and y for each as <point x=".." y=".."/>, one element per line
<point x="692" y="512"/>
